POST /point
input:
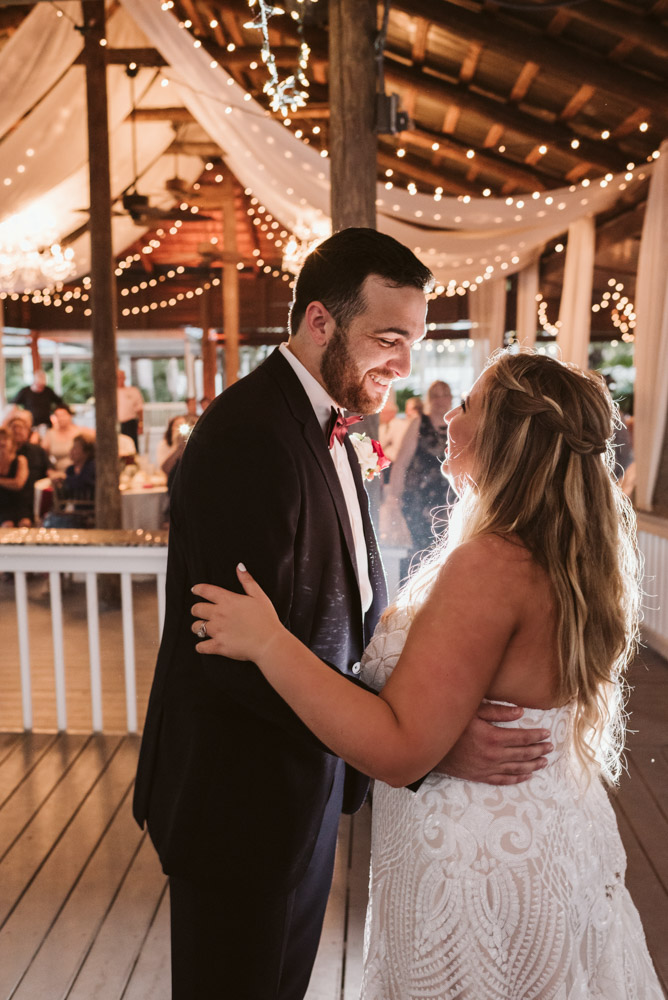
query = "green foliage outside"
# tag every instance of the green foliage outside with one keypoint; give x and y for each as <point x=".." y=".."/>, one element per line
<point x="615" y="361"/>
<point x="77" y="381"/>
<point x="14" y="379"/>
<point x="403" y="395"/>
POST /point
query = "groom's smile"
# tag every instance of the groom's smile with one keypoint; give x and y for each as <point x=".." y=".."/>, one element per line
<point x="361" y="361"/>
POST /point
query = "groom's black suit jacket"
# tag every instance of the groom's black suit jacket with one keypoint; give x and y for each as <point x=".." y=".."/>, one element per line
<point x="232" y="784"/>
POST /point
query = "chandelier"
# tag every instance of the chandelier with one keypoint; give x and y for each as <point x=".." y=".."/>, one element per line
<point x="30" y="256"/>
<point x="303" y="240"/>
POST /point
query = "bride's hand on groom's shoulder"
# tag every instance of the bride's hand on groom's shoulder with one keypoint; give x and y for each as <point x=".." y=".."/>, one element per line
<point x="239" y="626"/>
<point x="497" y="756"/>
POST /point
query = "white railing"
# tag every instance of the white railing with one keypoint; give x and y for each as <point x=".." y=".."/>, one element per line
<point x="653" y="543"/>
<point x="125" y="553"/>
<point x="58" y="552"/>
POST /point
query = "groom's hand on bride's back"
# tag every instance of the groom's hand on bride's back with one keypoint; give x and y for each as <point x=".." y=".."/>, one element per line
<point x="494" y="754"/>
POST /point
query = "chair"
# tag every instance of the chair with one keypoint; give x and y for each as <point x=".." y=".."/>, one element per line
<point x="71" y="508"/>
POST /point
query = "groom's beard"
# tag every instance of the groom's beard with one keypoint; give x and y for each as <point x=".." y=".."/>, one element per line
<point x="342" y="381"/>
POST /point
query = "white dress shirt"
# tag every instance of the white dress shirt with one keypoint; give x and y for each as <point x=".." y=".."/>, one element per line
<point x="322" y="404"/>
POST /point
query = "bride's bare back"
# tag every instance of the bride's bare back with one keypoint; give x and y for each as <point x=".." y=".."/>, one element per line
<point x="528" y="672"/>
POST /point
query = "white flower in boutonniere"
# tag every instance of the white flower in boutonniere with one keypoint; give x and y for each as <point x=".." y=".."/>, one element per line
<point x="369" y="455"/>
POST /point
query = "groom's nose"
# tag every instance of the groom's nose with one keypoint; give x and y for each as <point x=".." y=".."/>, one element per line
<point x="400" y="362"/>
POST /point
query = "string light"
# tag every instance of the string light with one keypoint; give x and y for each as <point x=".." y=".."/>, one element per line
<point x="622" y="310"/>
<point x="291" y="93"/>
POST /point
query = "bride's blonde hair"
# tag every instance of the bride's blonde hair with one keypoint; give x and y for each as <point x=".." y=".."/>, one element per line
<point x="544" y="472"/>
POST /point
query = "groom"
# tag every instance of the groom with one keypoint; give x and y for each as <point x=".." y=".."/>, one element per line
<point x="242" y="802"/>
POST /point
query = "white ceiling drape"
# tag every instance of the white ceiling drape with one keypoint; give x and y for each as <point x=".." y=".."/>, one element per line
<point x="460" y="240"/>
<point x="44" y="159"/>
<point x="35" y="57"/>
<point x="488" y="316"/>
<point x="527" y="305"/>
<point x="575" y="308"/>
<point x="651" y="347"/>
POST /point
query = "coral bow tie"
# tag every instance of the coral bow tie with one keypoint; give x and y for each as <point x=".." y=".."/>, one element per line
<point x="338" y="425"/>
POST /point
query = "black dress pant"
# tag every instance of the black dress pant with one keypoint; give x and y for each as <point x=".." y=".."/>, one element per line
<point x="246" y="945"/>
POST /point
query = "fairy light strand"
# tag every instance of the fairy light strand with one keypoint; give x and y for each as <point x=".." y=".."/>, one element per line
<point x="291" y="93"/>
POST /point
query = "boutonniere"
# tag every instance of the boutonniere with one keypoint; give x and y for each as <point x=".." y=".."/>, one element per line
<point x="369" y="455"/>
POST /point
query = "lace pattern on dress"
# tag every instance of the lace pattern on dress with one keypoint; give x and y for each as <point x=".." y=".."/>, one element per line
<point x="481" y="892"/>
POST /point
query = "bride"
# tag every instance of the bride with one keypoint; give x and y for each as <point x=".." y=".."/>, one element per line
<point x="484" y="892"/>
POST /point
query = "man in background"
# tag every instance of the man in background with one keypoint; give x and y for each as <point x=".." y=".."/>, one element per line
<point x="130" y="404"/>
<point x="39" y="399"/>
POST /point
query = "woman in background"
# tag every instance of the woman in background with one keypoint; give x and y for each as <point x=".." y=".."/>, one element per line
<point x="58" y="440"/>
<point x="13" y="477"/>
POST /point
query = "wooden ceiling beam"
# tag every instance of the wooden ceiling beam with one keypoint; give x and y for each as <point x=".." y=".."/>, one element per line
<point x="488" y="161"/>
<point x="285" y="55"/>
<point x="526" y="77"/>
<point x="577" y="102"/>
<point x="563" y="60"/>
<point x="533" y="128"/>
<point x="646" y="32"/>
<point x="415" y="169"/>
<point x="470" y="64"/>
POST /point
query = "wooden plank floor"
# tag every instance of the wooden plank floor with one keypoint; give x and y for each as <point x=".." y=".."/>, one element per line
<point x="83" y="909"/>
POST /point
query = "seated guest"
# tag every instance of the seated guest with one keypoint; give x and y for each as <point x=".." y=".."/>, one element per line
<point x="168" y="443"/>
<point x="74" y="495"/>
<point x="80" y="475"/>
<point x="57" y="441"/>
<point x="38" y="463"/>
<point x="13" y="477"/>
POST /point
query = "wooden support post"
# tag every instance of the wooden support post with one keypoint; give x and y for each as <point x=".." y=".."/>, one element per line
<point x="352" y="90"/>
<point x="230" y="282"/>
<point x="209" y="361"/>
<point x="352" y="140"/>
<point x="34" y="351"/>
<point x="103" y="290"/>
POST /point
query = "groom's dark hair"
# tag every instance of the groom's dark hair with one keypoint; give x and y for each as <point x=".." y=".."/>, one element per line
<point x="335" y="271"/>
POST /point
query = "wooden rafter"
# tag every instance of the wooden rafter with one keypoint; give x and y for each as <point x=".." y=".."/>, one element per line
<point x="533" y="128"/>
<point x="554" y="56"/>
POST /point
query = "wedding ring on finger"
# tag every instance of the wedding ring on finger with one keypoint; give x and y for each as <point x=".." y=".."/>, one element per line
<point x="201" y="632"/>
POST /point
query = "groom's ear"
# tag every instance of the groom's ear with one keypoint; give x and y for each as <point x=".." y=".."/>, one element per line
<point x="318" y="323"/>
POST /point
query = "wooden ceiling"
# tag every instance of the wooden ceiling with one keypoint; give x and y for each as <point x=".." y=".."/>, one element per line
<point x="503" y="98"/>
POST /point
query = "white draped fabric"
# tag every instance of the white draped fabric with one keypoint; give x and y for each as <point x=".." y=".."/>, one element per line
<point x="527" y="305"/>
<point x="35" y="57"/>
<point x="48" y="190"/>
<point x="461" y="240"/>
<point x="651" y="346"/>
<point x="575" y="309"/>
<point x="488" y="316"/>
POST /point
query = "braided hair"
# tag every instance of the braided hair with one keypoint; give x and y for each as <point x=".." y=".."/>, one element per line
<point x="544" y="473"/>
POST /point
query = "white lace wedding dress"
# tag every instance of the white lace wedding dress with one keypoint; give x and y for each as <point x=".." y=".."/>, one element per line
<point x="499" y="893"/>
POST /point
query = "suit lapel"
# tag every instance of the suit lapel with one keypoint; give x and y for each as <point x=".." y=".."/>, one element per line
<point x="301" y="408"/>
<point x="376" y="570"/>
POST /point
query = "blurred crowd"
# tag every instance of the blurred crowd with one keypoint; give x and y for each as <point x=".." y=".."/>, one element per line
<point x="47" y="460"/>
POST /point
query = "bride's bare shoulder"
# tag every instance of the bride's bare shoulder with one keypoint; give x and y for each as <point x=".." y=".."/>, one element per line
<point x="501" y="560"/>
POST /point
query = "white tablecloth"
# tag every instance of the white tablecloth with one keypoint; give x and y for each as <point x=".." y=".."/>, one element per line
<point x="143" y="507"/>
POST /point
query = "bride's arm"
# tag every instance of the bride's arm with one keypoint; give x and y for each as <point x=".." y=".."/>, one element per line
<point x="452" y="652"/>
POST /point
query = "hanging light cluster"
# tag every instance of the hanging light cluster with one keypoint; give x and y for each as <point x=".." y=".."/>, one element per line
<point x="291" y="93"/>
<point x="622" y="310"/>
<point x="552" y="329"/>
<point x="30" y="256"/>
